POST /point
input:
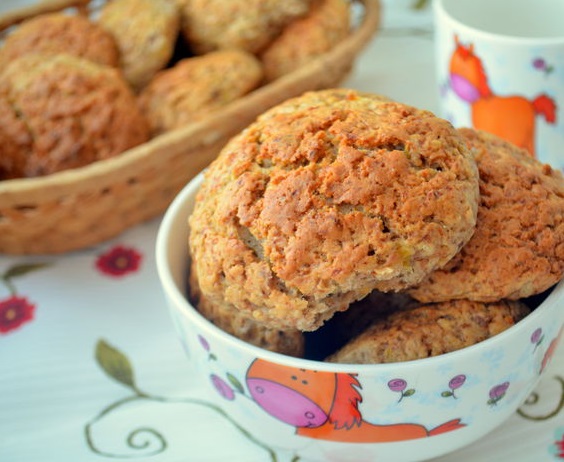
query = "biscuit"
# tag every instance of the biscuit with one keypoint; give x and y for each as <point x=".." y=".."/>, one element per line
<point x="250" y="25"/>
<point x="518" y="247"/>
<point x="304" y="39"/>
<point x="15" y="142"/>
<point x="197" y="86"/>
<point x="70" y="112"/>
<point x="242" y="326"/>
<point x="55" y="33"/>
<point x="430" y="330"/>
<point x="316" y="204"/>
<point x="359" y="316"/>
<point x="145" y="32"/>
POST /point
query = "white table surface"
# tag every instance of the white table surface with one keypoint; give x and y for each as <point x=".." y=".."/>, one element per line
<point x="58" y="404"/>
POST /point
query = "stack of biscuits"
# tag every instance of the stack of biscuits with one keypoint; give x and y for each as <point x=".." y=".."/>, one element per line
<point x="76" y="89"/>
<point x="374" y="227"/>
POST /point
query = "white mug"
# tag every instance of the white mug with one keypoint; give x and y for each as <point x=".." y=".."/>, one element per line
<point x="500" y="68"/>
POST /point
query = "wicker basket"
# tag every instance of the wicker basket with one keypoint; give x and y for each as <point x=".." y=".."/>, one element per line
<point x="77" y="208"/>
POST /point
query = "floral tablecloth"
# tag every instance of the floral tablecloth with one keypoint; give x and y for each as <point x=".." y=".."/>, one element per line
<point x="91" y="370"/>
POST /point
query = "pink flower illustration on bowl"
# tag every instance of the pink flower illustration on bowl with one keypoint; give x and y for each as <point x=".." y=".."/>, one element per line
<point x="222" y="387"/>
<point x="497" y="393"/>
<point x="549" y="353"/>
<point x="537" y="337"/>
<point x="399" y="386"/>
<point x="206" y="346"/>
<point x="454" y="384"/>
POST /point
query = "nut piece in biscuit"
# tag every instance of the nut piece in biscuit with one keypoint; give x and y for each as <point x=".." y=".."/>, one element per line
<point x="240" y="325"/>
<point x="313" y="206"/>
<point x="195" y="87"/>
<point x="249" y="25"/>
<point x="56" y="33"/>
<point x="517" y="249"/>
<point x="304" y="39"/>
<point x="430" y="330"/>
<point x="145" y="32"/>
<point x="70" y="112"/>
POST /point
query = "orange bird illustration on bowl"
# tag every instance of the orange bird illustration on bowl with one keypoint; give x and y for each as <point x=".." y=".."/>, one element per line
<point x="512" y="117"/>
<point x="325" y="405"/>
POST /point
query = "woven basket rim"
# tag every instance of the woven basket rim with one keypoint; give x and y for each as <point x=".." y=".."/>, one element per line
<point x="103" y="172"/>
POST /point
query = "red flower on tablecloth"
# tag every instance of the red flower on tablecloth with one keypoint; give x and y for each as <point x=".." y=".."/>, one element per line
<point x="119" y="261"/>
<point x="15" y="311"/>
<point x="557" y="447"/>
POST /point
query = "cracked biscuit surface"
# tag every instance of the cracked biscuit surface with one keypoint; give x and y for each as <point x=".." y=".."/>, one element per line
<point x="197" y="86"/>
<point x="145" y="32"/>
<point x="517" y="249"/>
<point x="55" y="33"/>
<point x="306" y="38"/>
<point x="430" y="330"/>
<point x="249" y="25"/>
<point x="63" y="112"/>
<point x="325" y="198"/>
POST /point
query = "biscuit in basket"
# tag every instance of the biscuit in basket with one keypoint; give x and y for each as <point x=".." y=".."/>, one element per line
<point x="304" y="39"/>
<point x="316" y="204"/>
<point x="145" y="32"/>
<point x="197" y="86"/>
<point x="242" y="326"/>
<point x="15" y="141"/>
<point x="250" y="25"/>
<point x="518" y="247"/>
<point x="430" y="330"/>
<point x="55" y="33"/>
<point x="70" y="112"/>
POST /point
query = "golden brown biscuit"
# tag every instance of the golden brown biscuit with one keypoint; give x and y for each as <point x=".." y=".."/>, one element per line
<point x="430" y="330"/>
<point x="55" y="33"/>
<point x="70" y="112"/>
<point x="518" y="247"/>
<point x="315" y="205"/>
<point x="195" y="87"/>
<point x="15" y="142"/>
<point x="249" y="25"/>
<point x="145" y="32"/>
<point x="306" y="38"/>
<point x="359" y="316"/>
<point x="240" y="325"/>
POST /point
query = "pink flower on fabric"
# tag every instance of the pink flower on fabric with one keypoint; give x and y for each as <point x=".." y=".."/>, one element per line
<point x="119" y="261"/>
<point x="15" y="311"/>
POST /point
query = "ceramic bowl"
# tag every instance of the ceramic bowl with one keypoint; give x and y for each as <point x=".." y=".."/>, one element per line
<point x="319" y="411"/>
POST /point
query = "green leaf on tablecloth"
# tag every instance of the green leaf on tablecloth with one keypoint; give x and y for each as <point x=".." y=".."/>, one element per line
<point x="20" y="270"/>
<point x="114" y="363"/>
<point x="420" y="4"/>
